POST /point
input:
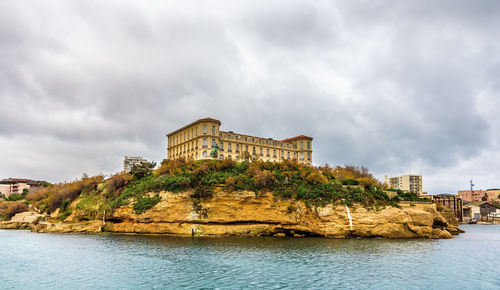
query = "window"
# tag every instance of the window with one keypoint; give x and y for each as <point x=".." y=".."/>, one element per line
<point x="237" y="158"/>
<point x="267" y="152"/>
<point x="221" y="146"/>
<point x="288" y="155"/>
<point x="301" y="155"/>
<point x="221" y="156"/>
<point x="246" y="148"/>
<point x="282" y="154"/>
<point x="213" y="130"/>
<point x="237" y="148"/>
<point x="274" y="153"/>
<point x="204" y="143"/>
<point x="229" y="157"/>
<point x="229" y="147"/>
<point x="308" y="156"/>
<point x="196" y="131"/>
<point x="213" y="143"/>
<point x="253" y="150"/>
<point x="308" y="145"/>
<point x="204" y="129"/>
<point x="301" y="144"/>
<point x="261" y="151"/>
<point x="204" y="154"/>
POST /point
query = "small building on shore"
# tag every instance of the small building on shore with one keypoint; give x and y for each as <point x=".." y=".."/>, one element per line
<point x="480" y="211"/>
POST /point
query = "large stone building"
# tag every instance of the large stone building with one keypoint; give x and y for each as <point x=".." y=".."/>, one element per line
<point x="410" y="183"/>
<point x="202" y="139"/>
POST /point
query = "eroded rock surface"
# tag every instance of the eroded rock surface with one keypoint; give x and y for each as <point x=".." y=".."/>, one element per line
<point x="245" y="214"/>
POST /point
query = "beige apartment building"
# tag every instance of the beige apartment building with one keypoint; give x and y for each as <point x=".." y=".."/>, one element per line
<point x="11" y="186"/>
<point x="198" y="139"/>
<point x="130" y="161"/>
<point x="410" y="183"/>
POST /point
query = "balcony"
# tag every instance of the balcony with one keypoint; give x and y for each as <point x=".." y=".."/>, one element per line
<point x="204" y="146"/>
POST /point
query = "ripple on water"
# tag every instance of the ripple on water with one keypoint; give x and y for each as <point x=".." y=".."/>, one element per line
<point x="49" y="261"/>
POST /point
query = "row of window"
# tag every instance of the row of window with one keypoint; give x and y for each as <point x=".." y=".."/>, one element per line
<point x="189" y="134"/>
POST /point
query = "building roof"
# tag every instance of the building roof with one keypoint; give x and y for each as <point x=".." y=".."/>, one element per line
<point x="19" y="180"/>
<point x="193" y="123"/>
<point x="478" y="203"/>
<point x="296" y="138"/>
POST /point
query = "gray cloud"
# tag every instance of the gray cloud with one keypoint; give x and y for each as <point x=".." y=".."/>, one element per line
<point x="398" y="87"/>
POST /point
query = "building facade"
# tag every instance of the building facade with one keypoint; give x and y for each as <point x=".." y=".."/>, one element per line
<point x="410" y="183"/>
<point x="11" y="186"/>
<point x="129" y="162"/>
<point x="492" y="195"/>
<point x="203" y="138"/>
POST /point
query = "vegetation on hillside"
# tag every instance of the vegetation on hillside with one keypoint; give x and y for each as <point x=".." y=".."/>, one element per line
<point x="288" y="179"/>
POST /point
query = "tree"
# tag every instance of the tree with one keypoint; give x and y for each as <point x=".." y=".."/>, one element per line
<point x="25" y="192"/>
<point x="142" y="169"/>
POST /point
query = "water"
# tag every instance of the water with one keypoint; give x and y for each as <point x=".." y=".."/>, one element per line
<point x="63" y="261"/>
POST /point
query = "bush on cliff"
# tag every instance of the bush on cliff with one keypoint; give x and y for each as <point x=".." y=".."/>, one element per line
<point x="48" y="199"/>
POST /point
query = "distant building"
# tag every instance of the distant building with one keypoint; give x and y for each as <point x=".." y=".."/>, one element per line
<point x="409" y="183"/>
<point x="11" y="186"/>
<point x="130" y="161"/>
<point x="491" y="195"/>
<point x="202" y="137"/>
<point x="479" y="210"/>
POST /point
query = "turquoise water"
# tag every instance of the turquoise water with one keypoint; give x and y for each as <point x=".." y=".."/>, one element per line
<point x="64" y="261"/>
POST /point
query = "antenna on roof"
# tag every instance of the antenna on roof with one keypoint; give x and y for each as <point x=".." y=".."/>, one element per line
<point x="471" y="185"/>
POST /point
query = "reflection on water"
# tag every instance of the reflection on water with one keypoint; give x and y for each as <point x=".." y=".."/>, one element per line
<point x="30" y="260"/>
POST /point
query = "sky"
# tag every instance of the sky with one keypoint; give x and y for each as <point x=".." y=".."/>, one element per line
<point x="401" y="87"/>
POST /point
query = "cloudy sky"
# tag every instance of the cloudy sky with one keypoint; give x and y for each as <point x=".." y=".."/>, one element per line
<point x="397" y="86"/>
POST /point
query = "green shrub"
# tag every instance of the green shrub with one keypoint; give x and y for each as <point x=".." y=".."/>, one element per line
<point x="145" y="203"/>
<point x="349" y="181"/>
<point x="14" y="197"/>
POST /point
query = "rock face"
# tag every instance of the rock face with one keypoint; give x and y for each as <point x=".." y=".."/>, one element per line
<point x="245" y="214"/>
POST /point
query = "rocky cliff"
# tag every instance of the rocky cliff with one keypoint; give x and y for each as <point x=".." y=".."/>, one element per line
<point x="246" y="213"/>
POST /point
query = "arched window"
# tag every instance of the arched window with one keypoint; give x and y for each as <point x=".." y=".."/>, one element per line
<point x="261" y="151"/>
<point x="204" y="154"/>
<point x="229" y="157"/>
<point x="229" y="147"/>
<point x="221" y="156"/>
<point x="288" y="155"/>
<point x="253" y="150"/>
<point x="267" y="152"/>
<point x="237" y="158"/>
<point x="221" y="146"/>
<point x="308" y="156"/>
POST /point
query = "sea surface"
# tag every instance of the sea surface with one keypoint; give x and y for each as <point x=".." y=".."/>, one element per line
<point x="69" y="261"/>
